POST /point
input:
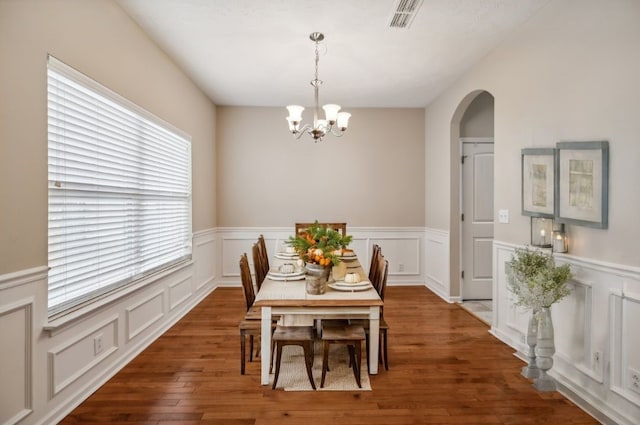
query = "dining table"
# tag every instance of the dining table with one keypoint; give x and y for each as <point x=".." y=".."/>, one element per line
<point x="285" y="295"/>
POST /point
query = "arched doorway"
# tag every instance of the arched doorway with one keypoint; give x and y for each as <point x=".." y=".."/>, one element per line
<point x="471" y="236"/>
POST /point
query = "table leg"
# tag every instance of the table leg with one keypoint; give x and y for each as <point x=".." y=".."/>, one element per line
<point x="374" y="338"/>
<point x="265" y="345"/>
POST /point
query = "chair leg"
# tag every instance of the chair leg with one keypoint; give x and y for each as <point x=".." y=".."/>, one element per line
<point x="242" y="351"/>
<point x="308" y="361"/>
<point x="278" y="356"/>
<point x="355" y="352"/>
<point x="366" y="343"/>
<point x="359" y="362"/>
<point x="386" y="356"/>
<point x="250" y="348"/>
<point x="325" y="361"/>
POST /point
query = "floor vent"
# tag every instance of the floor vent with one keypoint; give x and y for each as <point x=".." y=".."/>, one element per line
<point x="404" y="12"/>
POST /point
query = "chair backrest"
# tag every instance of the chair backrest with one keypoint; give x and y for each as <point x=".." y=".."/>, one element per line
<point x="383" y="281"/>
<point x="373" y="269"/>
<point x="378" y="273"/>
<point x="383" y="285"/>
<point x="257" y="264"/>
<point x="263" y="254"/>
<point x="340" y="227"/>
<point x="247" y="283"/>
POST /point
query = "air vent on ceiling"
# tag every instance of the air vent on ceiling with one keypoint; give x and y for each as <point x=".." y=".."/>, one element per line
<point x="404" y="12"/>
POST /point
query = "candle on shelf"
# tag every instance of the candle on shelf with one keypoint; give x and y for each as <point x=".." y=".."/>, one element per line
<point x="559" y="239"/>
<point x="541" y="231"/>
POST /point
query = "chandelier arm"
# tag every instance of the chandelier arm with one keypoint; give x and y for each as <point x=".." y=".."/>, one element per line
<point x="305" y="129"/>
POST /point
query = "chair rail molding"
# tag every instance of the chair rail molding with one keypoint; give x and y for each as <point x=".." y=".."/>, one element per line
<point x="597" y="360"/>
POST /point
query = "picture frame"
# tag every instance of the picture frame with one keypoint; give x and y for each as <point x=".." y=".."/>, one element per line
<point x="538" y="182"/>
<point x="582" y="184"/>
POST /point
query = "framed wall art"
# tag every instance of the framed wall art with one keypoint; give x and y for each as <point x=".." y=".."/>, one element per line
<point x="582" y="195"/>
<point x="538" y="176"/>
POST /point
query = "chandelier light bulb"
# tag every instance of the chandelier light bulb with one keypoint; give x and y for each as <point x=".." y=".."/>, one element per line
<point x="295" y="112"/>
<point x="331" y="112"/>
<point x="343" y="120"/>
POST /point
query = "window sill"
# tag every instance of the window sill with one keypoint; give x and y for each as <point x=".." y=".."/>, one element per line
<point x="56" y="325"/>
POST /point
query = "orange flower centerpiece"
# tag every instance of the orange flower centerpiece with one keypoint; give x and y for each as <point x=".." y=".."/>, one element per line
<point x="320" y="248"/>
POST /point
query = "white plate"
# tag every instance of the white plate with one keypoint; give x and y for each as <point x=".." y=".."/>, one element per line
<point x="286" y="256"/>
<point x="349" y="287"/>
<point x="341" y="282"/>
<point x="280" y="274"/>
<point x="286" y="277"/>
<point x="348" y="257"/>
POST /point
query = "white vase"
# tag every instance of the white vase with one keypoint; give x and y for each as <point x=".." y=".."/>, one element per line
<point x="545" y="348"/>
<point x="531" y="370"/>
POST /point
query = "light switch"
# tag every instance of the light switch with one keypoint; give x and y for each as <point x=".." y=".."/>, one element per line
<point x="503" y="216"/>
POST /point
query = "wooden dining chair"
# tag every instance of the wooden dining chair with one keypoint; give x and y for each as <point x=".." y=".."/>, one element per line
<point x="264" y="255"/>
<point x="258" y="264"/>
<point x="376" y="252"/>
<point x="250" y="325"/>
<point x="301" y="336"/>
<point x="340" y="227"/>
<point x="382" y="274"/>
<point x="352" y="336"/>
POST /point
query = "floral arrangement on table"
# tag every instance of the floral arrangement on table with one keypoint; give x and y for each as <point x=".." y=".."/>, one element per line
<point x="535" y="280"/>
<point x="320" y="245"/>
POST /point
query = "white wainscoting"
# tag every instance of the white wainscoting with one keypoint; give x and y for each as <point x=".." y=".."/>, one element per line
<point x="47" y="373"/>
<point x="436" y="255"/>
<point x="596" y="336"/>
<point x="79" y="355"/>
<point x="403" y="247"/>
<point x="16" y="320"/>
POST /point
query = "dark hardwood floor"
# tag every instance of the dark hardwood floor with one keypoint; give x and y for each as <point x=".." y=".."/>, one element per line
<point x="445" y="368"/>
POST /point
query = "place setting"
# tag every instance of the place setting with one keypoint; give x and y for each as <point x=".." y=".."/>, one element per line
<point x="351" y="282"/>
<point x="285" y="272"/>
<point x="289" y="253"/>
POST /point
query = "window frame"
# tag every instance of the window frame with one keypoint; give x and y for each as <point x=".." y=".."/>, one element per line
<point x="138" y="194"/>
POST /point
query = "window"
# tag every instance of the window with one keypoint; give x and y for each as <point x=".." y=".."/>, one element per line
<point x="119" y="190"/>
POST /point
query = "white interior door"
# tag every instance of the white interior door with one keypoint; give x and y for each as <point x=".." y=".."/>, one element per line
<point x="477" y="221"/>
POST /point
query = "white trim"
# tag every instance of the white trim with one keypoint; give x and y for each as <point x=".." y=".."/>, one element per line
<point x="54" y="353"/>
<point x="53" y="326"/>
<point x="131" y="334"/>
<point x="23" y="277"/>
<point x="179" y="284"/>
<point x="25" y="304"/>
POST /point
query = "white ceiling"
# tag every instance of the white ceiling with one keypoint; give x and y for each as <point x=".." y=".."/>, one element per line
<point x="258" y="52"/>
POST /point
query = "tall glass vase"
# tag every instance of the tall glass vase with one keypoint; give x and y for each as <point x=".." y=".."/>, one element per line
<point x="531" y="370"/>
<point x="545" y="348"/>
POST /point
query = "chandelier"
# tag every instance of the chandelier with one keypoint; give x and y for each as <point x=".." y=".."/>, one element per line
<point x="335" y="122"/>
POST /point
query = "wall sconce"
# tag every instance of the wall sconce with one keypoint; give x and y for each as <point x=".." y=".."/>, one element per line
<point x="559" y="238"/>
<point x="541" y="232"/>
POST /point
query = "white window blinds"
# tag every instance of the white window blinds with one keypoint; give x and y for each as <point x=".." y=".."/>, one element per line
<point x="119" y="190"/>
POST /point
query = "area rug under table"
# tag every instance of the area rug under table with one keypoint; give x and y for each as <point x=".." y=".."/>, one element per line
<point x="293" y="374"/>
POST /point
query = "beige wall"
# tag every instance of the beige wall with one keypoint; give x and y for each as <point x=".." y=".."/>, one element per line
<point x="98" y="39"/>
<point x="570" y="73"/>
<point x="372" y="176"/>
<point x="477" y="120"/>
